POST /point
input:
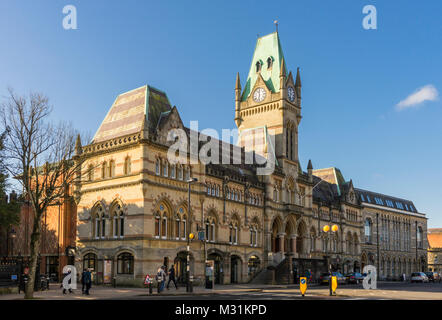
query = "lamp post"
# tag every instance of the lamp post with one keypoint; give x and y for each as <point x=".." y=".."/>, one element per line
<point x="189" y="287"/>
<point x="327" y="229"/>
<point x="12" y="235"/>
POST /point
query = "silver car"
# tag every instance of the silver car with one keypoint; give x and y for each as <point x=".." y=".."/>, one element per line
<point x="419" y="277"/>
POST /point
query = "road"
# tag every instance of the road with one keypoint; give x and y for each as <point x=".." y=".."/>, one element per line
<point x="385" y="291"/>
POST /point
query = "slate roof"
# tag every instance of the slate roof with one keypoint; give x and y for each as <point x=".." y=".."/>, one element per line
<point x="324" y="191"/>
<point x="386" y="201"/>
<point x="129" y="110"/>
<point x="332" y="175"/>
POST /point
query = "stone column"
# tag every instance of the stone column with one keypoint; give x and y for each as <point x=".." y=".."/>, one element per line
<point x="281" y="242"/>
<point x="293" y="240"/>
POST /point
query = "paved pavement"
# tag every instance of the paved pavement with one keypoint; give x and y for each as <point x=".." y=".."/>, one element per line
<point x="385" y="291"/>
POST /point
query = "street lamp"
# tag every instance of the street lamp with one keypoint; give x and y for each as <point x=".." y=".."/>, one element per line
<point x="189" y="237"/>
<point x="329" y="230"/>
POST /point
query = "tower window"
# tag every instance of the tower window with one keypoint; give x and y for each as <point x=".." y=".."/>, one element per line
<point x="269" y="62"/>
<point x="258" y="66"/>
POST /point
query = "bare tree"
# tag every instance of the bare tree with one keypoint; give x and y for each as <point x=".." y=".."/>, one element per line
<point x="45" y="158"/>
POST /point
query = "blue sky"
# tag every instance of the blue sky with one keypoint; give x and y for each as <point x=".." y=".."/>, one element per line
<point x="352" y="78"/>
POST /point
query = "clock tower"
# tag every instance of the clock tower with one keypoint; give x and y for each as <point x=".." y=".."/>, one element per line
<point x="269" y="106"/>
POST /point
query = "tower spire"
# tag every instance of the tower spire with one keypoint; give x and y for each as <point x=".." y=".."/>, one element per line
<point x="238" y="82"/>
<point x="298" y="79"/>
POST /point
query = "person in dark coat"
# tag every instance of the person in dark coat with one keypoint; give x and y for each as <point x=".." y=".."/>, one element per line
<point x="88" y="281"/>
<point x="83" y="284"/>
<point x="172" y="277"/>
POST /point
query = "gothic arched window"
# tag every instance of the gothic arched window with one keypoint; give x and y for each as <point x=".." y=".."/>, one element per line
<point x="127" y="166"/>
<point x="269" y="62"/>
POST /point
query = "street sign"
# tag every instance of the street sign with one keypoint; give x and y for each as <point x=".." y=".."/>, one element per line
<point x="303" y="285"/>
<point x="334" y="284"/>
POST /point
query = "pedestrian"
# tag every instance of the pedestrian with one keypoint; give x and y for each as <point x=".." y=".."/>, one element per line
<point x="161" y="278"/>
<point x="172" y="277"/>
<point x="403" y="277"/>
<point x="83" y="283"/>
<point x="87" y="281"/>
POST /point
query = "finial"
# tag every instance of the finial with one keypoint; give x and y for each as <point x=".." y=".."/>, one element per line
<point x="238" y="82"/>
<point x="276" y="24"/>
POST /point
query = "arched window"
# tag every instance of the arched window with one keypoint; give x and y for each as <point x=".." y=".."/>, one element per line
<point x="164" y="227"/>
<point x="368" y="227"/>
<point x="187" y="175"/>
<point x="258" y="66"/>
<point x="419" y="238"/>
<point x="90" y="173"/>
<point x="165" y="169"/>
<point x="172" y="171"/>
<point x="103" y="170"/>
<point x="125" y="263"/>
<point x="99" y="222"/>
<point x="90" y="261"/>
<point x="118" y="221"/>
<point x="157" y="225"/>
<point x="157" y="167"/>
<point x="234" y="229"/>
<point x="269" y="62"/>
<point x="211" y="228"/>
<point x="254" y="226"/>
<point x="217" y="191"/>
<point x="111" y="168"/>
<point x="209" y="189"/>
<point x="180" y="173"/>
<point x="127" y="166"/>
<point x="184" y="227"/>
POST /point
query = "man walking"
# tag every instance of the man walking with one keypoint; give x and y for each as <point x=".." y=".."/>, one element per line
<point x="161" y="278"/>
<point x="83" y="283"/>
<point x="88" y="281"/>
<point x="172" y="277"/>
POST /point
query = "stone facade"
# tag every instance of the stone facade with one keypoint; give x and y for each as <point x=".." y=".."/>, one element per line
<point x="133" y="204"/>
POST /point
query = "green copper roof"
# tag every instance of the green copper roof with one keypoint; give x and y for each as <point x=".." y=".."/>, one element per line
<point x="267" y="46"/>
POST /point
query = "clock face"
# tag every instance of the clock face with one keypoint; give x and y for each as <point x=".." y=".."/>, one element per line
<point x="259" y="95"/>
<point x="291" y="93"/>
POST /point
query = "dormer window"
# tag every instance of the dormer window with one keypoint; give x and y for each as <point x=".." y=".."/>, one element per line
<point x="258" y="66"/>
<point x="269" y="62"/>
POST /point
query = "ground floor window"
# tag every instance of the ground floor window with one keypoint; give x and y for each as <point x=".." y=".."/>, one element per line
<point x="125" y="263"/>
<point x="89" y="261"/>
<point x="52" y="267"/>
<point x="253" y="265"/>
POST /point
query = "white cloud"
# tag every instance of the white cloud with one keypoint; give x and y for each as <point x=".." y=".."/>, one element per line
<point x="426" y="93"/>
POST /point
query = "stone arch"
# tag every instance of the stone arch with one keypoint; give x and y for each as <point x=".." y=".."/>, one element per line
<point x="236" y="266"/>
<point x="301" y="235"/>
<point x="276" y="229"/>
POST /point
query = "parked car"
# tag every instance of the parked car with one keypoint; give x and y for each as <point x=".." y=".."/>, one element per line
<point x="433" y="276"/>
<point x="325" y="277"/>
<point x="419" y="277"/>
<point x="354" y="277"/>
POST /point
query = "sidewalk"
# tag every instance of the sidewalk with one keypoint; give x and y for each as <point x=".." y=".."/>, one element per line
<point x="108" y="292"/>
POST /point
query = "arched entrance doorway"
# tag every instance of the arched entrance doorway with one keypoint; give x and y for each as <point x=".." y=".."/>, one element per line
<point x="218" y="266"/>
<point x="275" y="242"/>
<point x="235" y="269"/>
<point x="181" y="267"/>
